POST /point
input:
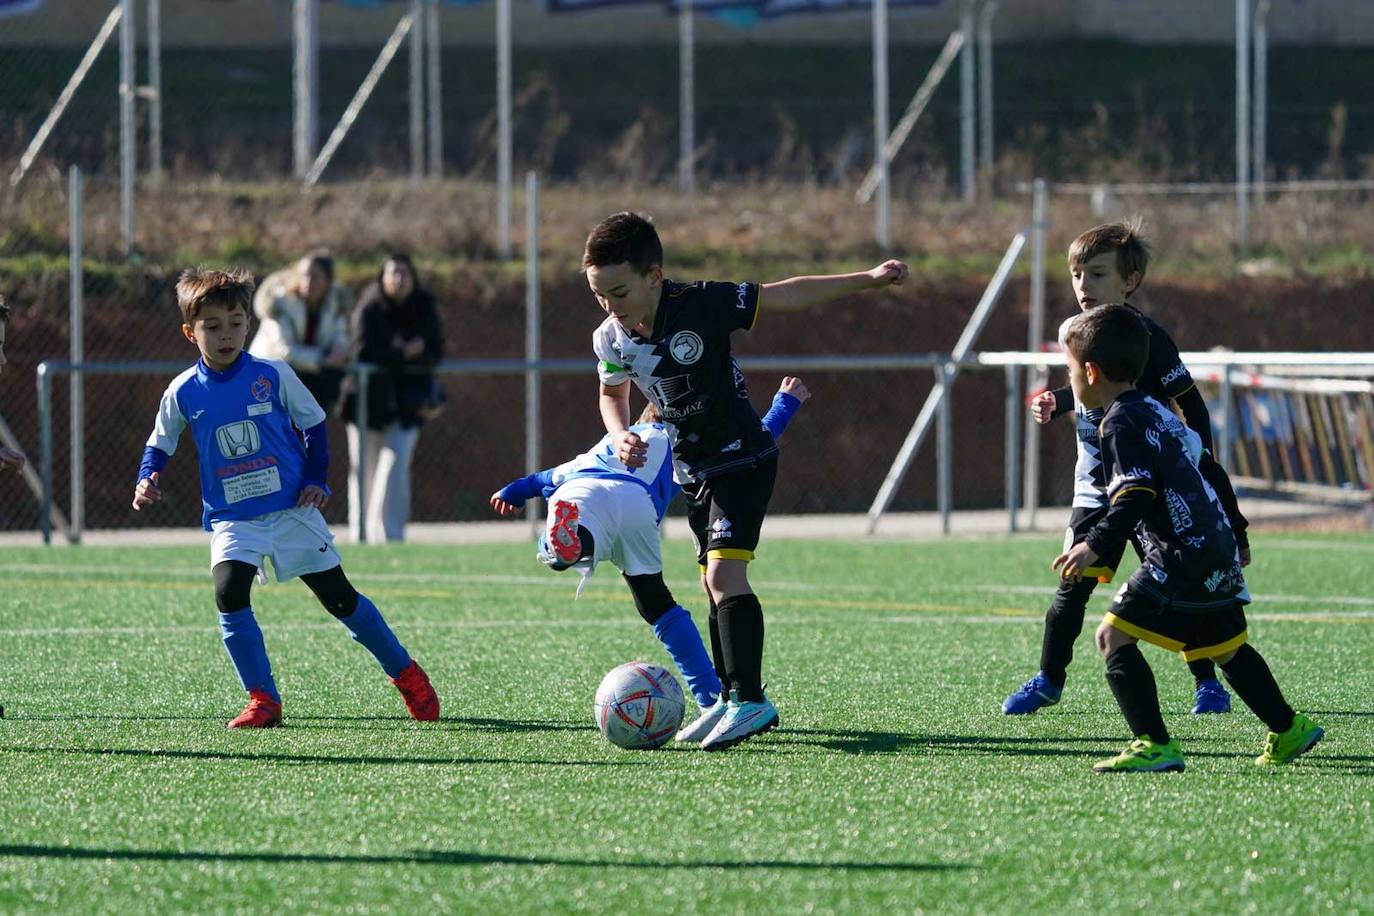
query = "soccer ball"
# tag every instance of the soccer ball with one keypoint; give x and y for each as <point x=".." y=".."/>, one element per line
<point x="639" y="706"/>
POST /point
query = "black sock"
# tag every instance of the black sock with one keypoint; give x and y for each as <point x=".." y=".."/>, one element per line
<point x="717" y="652"/>
<point x="1203" y="670"/>
<point x="1063" y="623"/>
<point x="1249" y="674"/>
<point x="1133" y="685"/>
<point x="741" y="641"/>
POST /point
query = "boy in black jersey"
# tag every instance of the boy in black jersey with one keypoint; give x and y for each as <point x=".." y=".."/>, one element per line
<point x="673" y="339"/>
<point x="1108" y="264"/>
<point x="1189" y="593"/>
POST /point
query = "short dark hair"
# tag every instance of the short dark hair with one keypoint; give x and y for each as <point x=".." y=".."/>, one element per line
<point x="1126" y="238"/>
<point x="1113" y="336"/>
<point x="4" y="310"/>
<point x="625" y="238"/>
<point x="198" y="287"/>
<point x="322" y="259"/>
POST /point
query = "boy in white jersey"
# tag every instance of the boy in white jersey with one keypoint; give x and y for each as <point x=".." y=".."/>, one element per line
<point x="263" y="455"/>
<point x="600" y="509"/>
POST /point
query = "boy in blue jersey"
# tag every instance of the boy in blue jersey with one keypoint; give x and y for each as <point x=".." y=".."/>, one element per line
<point x="599" y="509"/>
<point x="1188" y="595"/>
<point x="260" y="439"/>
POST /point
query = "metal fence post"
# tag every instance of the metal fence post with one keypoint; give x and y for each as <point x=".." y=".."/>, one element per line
<point x="504" y="131"/>
<point x="360" y="468"/>
<point x="944" y="488"/>
<point x="45" y="447"/>
<point x="417" y="91"/>
<point x="1013" y="437"/>
<point x="435" y="88"/>
<point x="882" y="212"/>
<point x="1035" y="336"/>
<point x="306" y="85"/>
<point x="128" y="153"/>
<point x="77" y="354"/>
<point x="967" y="104"/>
<point x="985" y="83"/>
<point x="1226" y="437"/>
<point x="1261" y="120"/>
<point x="155" y="90"/>
<point x="1243" y="124"/>
<point x="687" y="102"/>
<point x="533" y="376"/>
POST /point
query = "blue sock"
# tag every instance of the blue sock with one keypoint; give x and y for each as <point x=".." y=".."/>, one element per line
<point x="243" y="640"/>
<point x="681" y="638"/>
<point x="366" y="626"/>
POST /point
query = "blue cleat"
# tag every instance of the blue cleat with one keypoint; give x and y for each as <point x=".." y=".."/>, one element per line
<point x="1211" y="697"/>
<point x="1032" y="695"/>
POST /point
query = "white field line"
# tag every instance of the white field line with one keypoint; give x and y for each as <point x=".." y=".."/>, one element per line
<point x="555" y="581"/>
<point x="629" y="622"/>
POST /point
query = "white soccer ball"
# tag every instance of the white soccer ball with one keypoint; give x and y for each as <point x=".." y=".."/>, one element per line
<point x="639" y="706"/>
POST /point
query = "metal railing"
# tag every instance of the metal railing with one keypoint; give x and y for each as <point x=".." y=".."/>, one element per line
<point x="943" y="366"/>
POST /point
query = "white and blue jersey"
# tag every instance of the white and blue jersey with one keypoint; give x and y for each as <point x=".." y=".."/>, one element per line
<point x="259" y="436"/>
<point x="655" y="475"/>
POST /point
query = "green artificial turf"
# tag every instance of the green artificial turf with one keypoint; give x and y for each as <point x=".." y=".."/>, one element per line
<point x="893" y="783"/>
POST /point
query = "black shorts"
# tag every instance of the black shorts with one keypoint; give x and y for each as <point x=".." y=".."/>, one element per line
<point x="726" y="512"/>
<point x="1146" y="612"/>
<point x="1081" y="521"/>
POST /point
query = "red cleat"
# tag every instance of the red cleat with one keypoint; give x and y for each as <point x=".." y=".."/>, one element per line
<point x="261" y="712"/>
<point x="418" y="693"/>
<point x="563" y="539"/>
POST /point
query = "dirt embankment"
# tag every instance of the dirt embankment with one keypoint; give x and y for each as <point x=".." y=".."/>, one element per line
<point x="834" y="455"/>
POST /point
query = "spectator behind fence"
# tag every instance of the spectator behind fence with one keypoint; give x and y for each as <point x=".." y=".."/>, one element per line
<point x="395" y="326"/>
<point x="303" y="321"/>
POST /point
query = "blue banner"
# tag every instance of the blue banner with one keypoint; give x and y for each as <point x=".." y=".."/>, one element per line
<point x="15" y="7"/>
<point x="742" y="10"/>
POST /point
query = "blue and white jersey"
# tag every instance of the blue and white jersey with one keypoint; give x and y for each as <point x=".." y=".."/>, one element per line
<point x="600" y="461"/>
<point x="244" y="422"/>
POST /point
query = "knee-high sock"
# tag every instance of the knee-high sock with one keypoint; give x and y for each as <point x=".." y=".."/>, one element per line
<point x="1204" y="669"/>
<point x="741" y="640"/>
<point x="243" y="641"/>
<point x="1254" y="683"/>
<point x="1133" y="685"/>
<point x="1063" y="623"/>
<point x="680" y="637"/>
<point x="367" y="626"/>
<point x="717" y="648"/>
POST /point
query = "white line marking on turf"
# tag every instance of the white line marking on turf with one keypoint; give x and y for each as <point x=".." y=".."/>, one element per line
<point x="1332" y="617"/>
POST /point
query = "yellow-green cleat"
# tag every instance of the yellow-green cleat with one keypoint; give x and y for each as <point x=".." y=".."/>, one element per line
<point x="1288" y="746"/>
<point x="1144" y="756"/>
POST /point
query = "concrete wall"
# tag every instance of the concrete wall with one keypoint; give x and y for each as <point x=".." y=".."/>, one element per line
<point x="266" y="23"/>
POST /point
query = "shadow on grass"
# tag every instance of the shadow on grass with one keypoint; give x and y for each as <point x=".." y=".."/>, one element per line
<point x="349" y="760"/>
<point x="442" y="857"/>
<point x="498" y="726"/>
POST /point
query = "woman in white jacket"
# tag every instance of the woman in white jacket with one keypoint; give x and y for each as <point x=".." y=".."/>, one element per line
<point x="303" y="321"/>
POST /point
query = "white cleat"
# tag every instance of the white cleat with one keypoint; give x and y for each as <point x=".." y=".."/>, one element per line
<point x="742" y="721"/>
<point x="705" y="721"/>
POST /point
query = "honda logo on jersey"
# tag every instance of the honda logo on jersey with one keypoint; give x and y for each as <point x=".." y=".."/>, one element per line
<point x="238" y="439"/>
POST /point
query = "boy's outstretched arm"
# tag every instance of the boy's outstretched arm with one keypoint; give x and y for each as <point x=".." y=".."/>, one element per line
<point x="791" y="394"/>
<point x="511" y="498"/>
<point x="803" y="292"/>
<point x="615" y="414"/>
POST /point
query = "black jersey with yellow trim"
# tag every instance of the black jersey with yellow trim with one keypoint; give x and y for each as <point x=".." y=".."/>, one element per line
<point x="1188" y="545"/>
<point x="685" y="367"/>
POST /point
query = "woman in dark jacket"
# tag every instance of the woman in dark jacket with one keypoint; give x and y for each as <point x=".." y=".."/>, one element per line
<point x="395" y="326"/>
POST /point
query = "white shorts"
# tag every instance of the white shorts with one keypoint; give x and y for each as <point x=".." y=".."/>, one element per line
<point x="621" y="517"/>
<point x="297" y="540"/>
